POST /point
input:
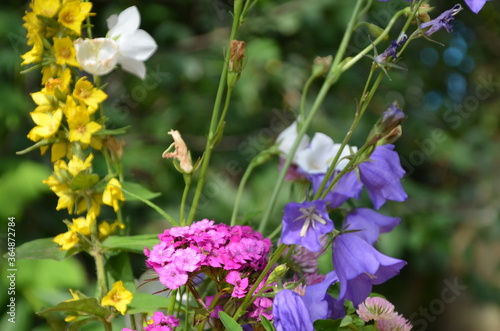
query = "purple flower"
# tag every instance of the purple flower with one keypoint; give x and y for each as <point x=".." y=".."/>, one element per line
<point x="475" y="5"/>
<point x="359" y="266"/>
<point x="371" y="223"/>
<point x="347" y="187"/>
<point x="442" y="21"/>
<point x="320" y="304"/>
<point x="304" y="223"/>
<point x="392" y="50"/>
<point x="381" y="174"/>
<point x="290" y="312"/>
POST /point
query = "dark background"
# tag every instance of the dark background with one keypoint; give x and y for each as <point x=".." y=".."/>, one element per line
<point x="450" y="229"/>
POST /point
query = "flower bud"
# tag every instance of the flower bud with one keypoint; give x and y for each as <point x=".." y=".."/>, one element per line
<point x="181" y="153"/>
<point x="321" y="65"/>
<point x="97" y="56"/>
<point x="384" y="127"/>
<point x="235" y="64"/>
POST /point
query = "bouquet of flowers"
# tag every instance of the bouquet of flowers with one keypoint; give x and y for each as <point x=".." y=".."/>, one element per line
<point x="230" y="273"/>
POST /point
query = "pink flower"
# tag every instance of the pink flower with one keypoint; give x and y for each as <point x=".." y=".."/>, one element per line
<point x="376" y="309"/>
<point x="187" y="259"/>
<point x="397" y="323"/>
<point x="240" y="284"/>
<point x="172" y="277"/>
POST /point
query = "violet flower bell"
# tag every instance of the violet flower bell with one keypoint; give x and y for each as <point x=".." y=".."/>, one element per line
<point x="359" y="266"/>
<point x="369" y="223"/>
<point x="320" y="304"/>
<point x="442" y="21"/>
<point x="475" y="5"/>
<point x="381" y="175"/>
<point x="290" y="312"/>
<point x="304" y="223"/>
<point x="347" y="187"/>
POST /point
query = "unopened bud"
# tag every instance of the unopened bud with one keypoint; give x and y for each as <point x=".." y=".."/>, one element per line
<point x="235" y="64"/>
<point x="278" y="272"/>
<point x="321" y="65"/>
<point x="376" y="31"/>
<point x="392" y="136"/>
<point x="115" y="147"/>
<point x="389" y="120"/>
<point x="181" y="153"/>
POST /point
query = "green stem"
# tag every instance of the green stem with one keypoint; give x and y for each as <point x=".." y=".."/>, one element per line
<point x="171" y="303"/>
<point x="246" y="302"/>
<point x="333" y="76"/>
<point x="243" y="182"/>
<point x="187" y="184"/>
<point x="304" y="95"/>
<point x="215" y="117"/>
<point x="101" y="274"/>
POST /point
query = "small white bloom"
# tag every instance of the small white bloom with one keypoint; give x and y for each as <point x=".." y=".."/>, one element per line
<point x="96" y="56"/>
<point x="317" y="158"/>
<point x="135" y="45"/>
<point x="287" y="138"/>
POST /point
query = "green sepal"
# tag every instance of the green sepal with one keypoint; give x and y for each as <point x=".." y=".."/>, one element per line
<point x="83" y="181"/>
<point x="43" y="248"/>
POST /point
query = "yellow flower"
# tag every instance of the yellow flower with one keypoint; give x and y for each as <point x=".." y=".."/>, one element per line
<point x="81" y="128"/>
<point x="66" y="240"/>
<point x="60" y="83"/>
<point x="113" y="194"/>
<point x="44" y="102"/>
<point x="106" y="229"/>
<point x="35" y="54"/>
<point x="73" y="13"/>
<point x="77" y="165"/>
<point x="47" y="125"/>
<point x="46" y="8"/>
<point x="88" y="94"/>
<point x="83" y="225"/>
<point x="59" y="183"/>
<point x="118" y="297"/>
<point x="65" y="52"/>
<point x="59" y="150"/>
<point x="94" y="209"/>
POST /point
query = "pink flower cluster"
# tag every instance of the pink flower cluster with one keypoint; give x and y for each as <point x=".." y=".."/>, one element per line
<point x="160" y="322"/>
<point x="186" y="251"/>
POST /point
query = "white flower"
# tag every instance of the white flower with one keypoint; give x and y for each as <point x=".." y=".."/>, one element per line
<point x="317" y="158"/>
<point x="287" y="138"/>
<point x="96" y="56"/>
<point x="134" y="45"/>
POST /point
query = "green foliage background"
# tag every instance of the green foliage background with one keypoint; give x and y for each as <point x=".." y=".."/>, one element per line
<point x="450" y="226"/>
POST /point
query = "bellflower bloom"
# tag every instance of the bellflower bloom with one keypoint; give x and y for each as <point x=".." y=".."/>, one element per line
<point x="320" y="304"/>
<point x="392" y="50"/>
<point x="442" y="21"/>
<point x="359" y="266"/>
<point x="304" y="223"/>
<point x="381" y="175"/>
<point x="97" y="56"/>
<point x="286" y="139"/>
<point x="370" y="223"/>
<point x="475" y="5"/>
<point x="347" y="187"/>
<point x="290" y="312"/>
<point x="135" y="45"/>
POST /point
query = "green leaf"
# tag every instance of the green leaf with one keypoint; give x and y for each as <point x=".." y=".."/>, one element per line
<point x="229" y="322"/>
<point x="77" y="325"/>
<point x="118" y="268"/>
<point x="327" y="325"/>
<point x="147" y="303"/>
<point x="43" y="248"/>
<point x="133" y="244"/>
<point x="87" y="306"/>
<point x="266" y="323"/>
<point x="138" y="191"/>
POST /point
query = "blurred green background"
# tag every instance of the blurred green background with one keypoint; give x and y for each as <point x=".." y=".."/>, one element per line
<point x="450" y="230"/>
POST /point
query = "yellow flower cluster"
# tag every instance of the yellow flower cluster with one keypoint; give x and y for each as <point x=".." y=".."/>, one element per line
<point x="68" y="120"/>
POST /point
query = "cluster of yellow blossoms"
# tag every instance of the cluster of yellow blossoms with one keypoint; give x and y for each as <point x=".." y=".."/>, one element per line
<point x="68" y="119"/>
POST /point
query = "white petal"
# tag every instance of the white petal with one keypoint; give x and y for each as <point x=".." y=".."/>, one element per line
<point x="96" y="56"/>
<point x="347" y="151"/>
<point x="287" y="137"/>
<point x="317" y="157"/>
<point x="133" y="66"/>
<point x="128" y="21"/>
<point x="139" y="45"/>
<point x="112" y="20"/>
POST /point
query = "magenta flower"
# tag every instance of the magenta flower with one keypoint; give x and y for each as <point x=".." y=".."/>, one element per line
<point x="359" y="266"/>
<point x="381" y="175"/>
<point x="162" y="322"/>
<point x="442" y="21"/>
<point x="370" y="223"/>
<point x="304" y="223"/>
<point x="240" y="284"/>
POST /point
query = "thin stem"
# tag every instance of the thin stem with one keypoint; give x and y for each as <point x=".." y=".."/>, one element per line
<point x="215" y="118"/>
<point x="333" y="76"/>
<point x="243" y="182"/>
<point x="187" y="184"/>
<point x="171" y="302"/>
<point x="304" y="95"/>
